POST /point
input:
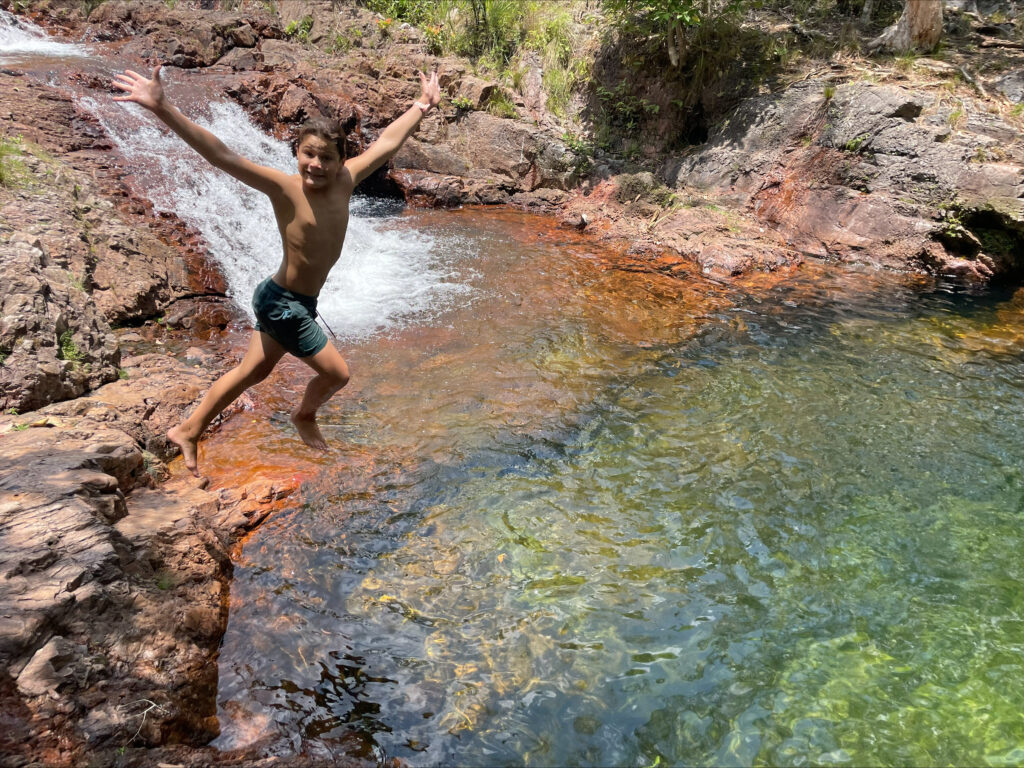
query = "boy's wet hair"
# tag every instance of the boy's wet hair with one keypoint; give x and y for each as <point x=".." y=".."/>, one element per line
<point x="322" y="128"/>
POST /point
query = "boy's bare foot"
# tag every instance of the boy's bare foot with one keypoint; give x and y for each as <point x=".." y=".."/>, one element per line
<point x="189" y="448"/>
<point x="309" y="431"/>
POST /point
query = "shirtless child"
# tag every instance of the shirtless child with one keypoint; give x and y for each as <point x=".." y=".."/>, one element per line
<point x="312" y="214"/>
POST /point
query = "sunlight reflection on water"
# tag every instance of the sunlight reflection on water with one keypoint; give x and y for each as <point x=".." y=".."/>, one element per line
<point x="615" y="519"/>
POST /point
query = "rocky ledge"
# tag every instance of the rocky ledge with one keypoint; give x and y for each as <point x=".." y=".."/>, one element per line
<point x="114" y="583"/>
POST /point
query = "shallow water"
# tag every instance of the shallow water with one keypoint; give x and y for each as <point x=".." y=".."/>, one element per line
<point x="583" y="517"/>
<point x="24" y="44"/>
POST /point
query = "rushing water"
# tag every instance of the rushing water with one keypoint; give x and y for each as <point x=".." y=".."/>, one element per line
<point x="21" y="39"/>
<point x="581" y="517"/>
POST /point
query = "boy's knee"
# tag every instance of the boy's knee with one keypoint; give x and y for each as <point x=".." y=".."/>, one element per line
<point x="259" y="373"/>
<point x="339" y="379"/>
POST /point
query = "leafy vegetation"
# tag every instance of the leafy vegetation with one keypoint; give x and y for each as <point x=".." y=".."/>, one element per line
<point x="578" y="143"/>
<point x="345" y="41"/>
<point x="12" y="169"/>
<point x="667" y="21"/>
<point x="68" y="349"/>
<point x="501" y="105"/>
<point x="502" y="37"/>
<point x="300" y="29"/>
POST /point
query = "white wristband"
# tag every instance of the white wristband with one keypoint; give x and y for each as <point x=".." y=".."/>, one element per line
<point x="424" y="108"/>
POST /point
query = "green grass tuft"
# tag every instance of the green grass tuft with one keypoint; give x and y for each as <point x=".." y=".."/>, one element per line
<point x="68" y="349"/>
<point x="12" y="169"/>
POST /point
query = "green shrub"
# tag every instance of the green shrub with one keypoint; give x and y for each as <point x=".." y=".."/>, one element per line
<point x="578" y="144"/>
<point x="68" y="349"/>
<point x="501" y="105"/>
<point x="300" y="29"/>
<point x="494" y="33"/>
<point x="344" y="42"/>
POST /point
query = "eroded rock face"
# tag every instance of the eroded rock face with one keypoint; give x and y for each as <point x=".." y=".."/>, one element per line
<point x="55" y="344"/>
<point x="514" y="152"/>
<point x="178" y="36"/>
<point x="872" y="174"/>
<point x="151" y="398"/>
<point x="112" y="581"/>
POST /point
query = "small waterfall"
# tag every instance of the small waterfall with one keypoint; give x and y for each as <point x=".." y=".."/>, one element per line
<point x="384" y="278"/>
<point x="20" y="37"/>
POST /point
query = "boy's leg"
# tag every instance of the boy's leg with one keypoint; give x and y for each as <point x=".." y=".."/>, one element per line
<point x="261" y="357"/>
<point x="331" y="375"/>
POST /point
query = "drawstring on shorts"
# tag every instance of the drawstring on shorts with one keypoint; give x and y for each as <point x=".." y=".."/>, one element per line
<point x="321" y="318"/>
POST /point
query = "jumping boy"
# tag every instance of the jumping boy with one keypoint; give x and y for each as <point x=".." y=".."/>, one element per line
<point x="312" y="214"/>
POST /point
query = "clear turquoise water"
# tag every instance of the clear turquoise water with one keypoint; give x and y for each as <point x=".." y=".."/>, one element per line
<point x="584" y="517"/>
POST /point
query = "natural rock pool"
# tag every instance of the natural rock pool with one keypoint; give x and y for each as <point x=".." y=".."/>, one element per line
<point x="587" y="517"/>
<point x="582" y="516"/>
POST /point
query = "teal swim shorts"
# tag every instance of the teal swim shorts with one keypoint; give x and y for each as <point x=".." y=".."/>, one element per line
<point x="288" y="318"/>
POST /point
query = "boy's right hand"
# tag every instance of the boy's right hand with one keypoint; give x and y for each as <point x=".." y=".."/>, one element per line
<point x="144" y="92"/>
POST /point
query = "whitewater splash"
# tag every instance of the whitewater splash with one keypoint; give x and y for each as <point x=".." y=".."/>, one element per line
<point x="385" y="277"/>
<point x="20" y="37"/>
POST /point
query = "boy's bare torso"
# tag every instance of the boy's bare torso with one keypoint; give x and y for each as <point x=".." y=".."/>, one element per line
<point x="312" y="227"/>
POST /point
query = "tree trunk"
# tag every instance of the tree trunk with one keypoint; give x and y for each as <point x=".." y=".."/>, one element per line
<point x="918" y="29"/>
<point x="865" y="12"/>
<point x="675" y="42"/>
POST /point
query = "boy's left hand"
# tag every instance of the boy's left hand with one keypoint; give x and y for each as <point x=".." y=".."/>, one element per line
<point x="431" y="93"/>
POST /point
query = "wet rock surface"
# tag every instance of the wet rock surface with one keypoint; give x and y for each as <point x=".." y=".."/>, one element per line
<point x="114" y="585"/>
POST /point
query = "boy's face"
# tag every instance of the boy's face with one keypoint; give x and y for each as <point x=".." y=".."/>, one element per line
<point x="319" y="162"/>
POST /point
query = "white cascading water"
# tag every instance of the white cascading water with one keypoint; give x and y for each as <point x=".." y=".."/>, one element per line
<point x="19" y="37"/>
<point x="384" y="277"/>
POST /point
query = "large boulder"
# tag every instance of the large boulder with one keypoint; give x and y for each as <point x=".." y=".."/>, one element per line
<point x="526" y="158"/>
<point x="54" y="344"/>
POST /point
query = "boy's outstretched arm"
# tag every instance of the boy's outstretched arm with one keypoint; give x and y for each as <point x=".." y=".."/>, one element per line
<point x="149" y="93"/>
<point x="392" y="138"/>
